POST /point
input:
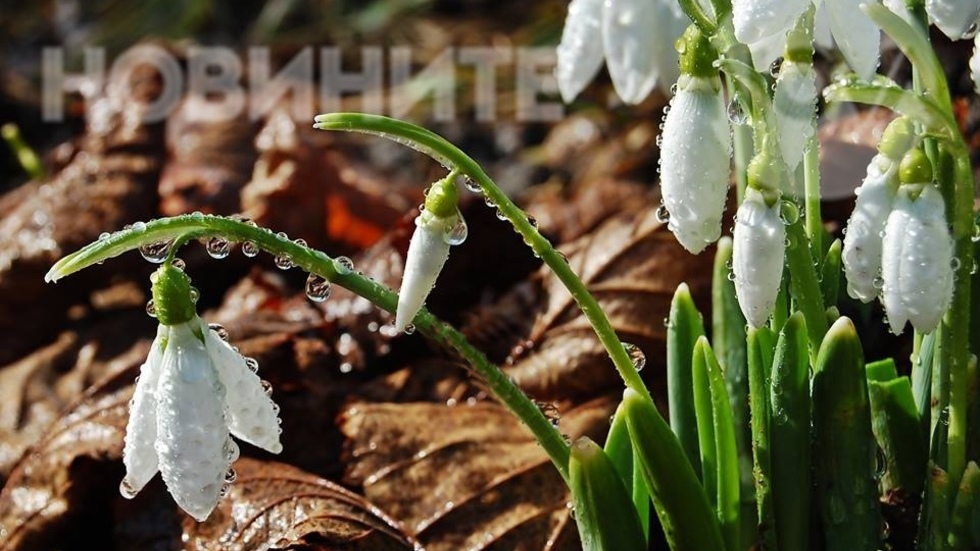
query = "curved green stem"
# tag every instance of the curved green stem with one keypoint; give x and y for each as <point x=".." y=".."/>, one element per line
<point x="198" y="225"/>
<point x="453" y="158"/>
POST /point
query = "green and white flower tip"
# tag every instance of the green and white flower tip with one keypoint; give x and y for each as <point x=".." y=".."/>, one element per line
<point x="763" y="25"/>
<point x="759" y="245"/>
<point x="957" y="19"/>
<point x="862" y="238"/>
<point x="917" y="255"/>
<point x="695" y="148"/>
<point x="193" y="393"/>
<point x="439" y="226"/>
<point x="975" y="64"/>
<point x="634" y="36"/>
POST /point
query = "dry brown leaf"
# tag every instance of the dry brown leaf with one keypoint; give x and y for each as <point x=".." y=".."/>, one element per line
<point x="276" y="506"/>
<point x="632" y="264"/>
<point x="466" y="476"/>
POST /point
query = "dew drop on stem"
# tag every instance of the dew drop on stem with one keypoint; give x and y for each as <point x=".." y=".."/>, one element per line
<point x="317" y="288"/>
<point x="218" y="247"/>
<point x="253" y="365"/>
<point x="637" y="357"/>
<point x="284" y="262"/>
<point x="344" y="265"/>
<point x="250" y="249"/>
<point x="156" y="252"/>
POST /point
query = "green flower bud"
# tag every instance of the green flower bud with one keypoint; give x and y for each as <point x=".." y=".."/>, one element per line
<point x="442" y="199"/>
<point x="697" y="54"/>
<point x="172" y="295"/>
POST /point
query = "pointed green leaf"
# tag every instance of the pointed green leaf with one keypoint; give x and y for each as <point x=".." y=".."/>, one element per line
<point x="619" y="449"/>
<point x="688" y="520"/>
<point x="760" y="356"/>
<point x="683" y="329"/>
<point x="604" y="509"/>
<point x="830" y="272"/>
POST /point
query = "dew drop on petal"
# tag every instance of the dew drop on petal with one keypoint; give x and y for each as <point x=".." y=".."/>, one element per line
<point x="250" y="249"/>
<point x="252" y="364"/>
<point x="266" y="387"/>
<point x="219" y="330"/>
<point x="954" y="264"/>
<point x="230" y="475"/>
<point x="344" y="265"/>
<point x="317" y="288"/>
<point x="456" y="235"/>
<point x="225" y="490"/>
<point x="637" y="357"/>
<point x="878" y="282"/>
<point x="218" y="247"/>
<point x="155" y="252"/>
<point x="663" y="215"/>
<point x="127" y="490"/>
<point x="151" y="309"/>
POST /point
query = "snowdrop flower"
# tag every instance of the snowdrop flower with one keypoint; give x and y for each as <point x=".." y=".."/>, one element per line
<point x="763" y="25"/>
<point x="917" y="257"/>
<point x="793" y="104"/>
<point x="194" y="391"/>
<point x="758" y="250"/>
<point x="635" y="37"/>
<point x="695" y="149"/>
<point x="957" y="19"/>
<point x="862" y="241"/>
<point x="439" y="226"/>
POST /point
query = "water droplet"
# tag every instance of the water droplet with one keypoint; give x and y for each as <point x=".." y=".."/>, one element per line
<point x="881" y="463"/>
<point x="775" y="66"/>
<point x="301" y="242"/>
<point x="501" y="215"/>
<point x="878" y="282"/>
<point x="230" y="475"/>
<point x="284" y="262"/>
<point x="126" y="489"/>
<point x="253" y="365"/>
<point x="266" y="387"/>
<point x="156" y="252"/>
<point x="151" y="309"/>
<point x="489" y="202"/>
<point x="571" y="509"/>
<point x="103" y="236"/>
<point x="195" y="295"/>
<point x="533" y="221"/>
<point x="731" y="275"/>
<point x="219" y="330"/>
<point x="409" y="329"/>
<point x="317" y="288"/>
<point x="139" y="227"/>
<point x="218" y="247"/>
<point x="550" y="411"/>
<point x="179" y="264"/>
<point x="976" y="234"/>
<point x="456" y="235"/>
<point x="344" y="265"/>
<point x="225" y="490"/>
<point x="736" y="113"/>
<point x="789" y="212"/>
<point x="472" y="186"/>
<point x="636" y="355"/>
<point x="970" y="32"/>
<point x="250" y="249"/>
<point x="663" y="215"/>
<point x="954" y="264"/>
<point x="231" y="451"/>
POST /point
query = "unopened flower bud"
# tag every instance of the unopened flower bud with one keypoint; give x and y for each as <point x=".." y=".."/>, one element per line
<point x="694" y="156"/>
<point x="916" y="260"/>
<point x="757" y="256"/>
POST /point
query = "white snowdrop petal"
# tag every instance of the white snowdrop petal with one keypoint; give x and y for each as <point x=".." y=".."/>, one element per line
<point x="793" y="102"/>
<point x="893" y="245"/>
<point x="975" y="64"/>
<point x="694" y="164"/>
<point x="856" y="35"/>
<point x="763" y="24"/>
<point x="862" y="242"/>
<point x="671" y="24"/>
<point x="757" y="257"/>
<point x="628" y="42"/>
<point x="139" y="454"/>
<point x="427" y="253"/>
<point x="251" y="413"/>
<point x="191" y="425"/>
<point x="822" y="37"/>
<point x="925" y="278"/>
<point x="580" y="50"/>
<point x="955" y="18"/>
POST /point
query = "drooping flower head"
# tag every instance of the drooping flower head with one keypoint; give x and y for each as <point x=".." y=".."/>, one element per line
<point x="795" y="97"/>
<point x="194" y="392"/>
<point x="917" y="251"/>
<point x="862" y="241"/>
<point x="695" y="148"/>
<point x="758" y="250"/>
<point x="635" y="37"/>
<point x="439" y="226"/>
